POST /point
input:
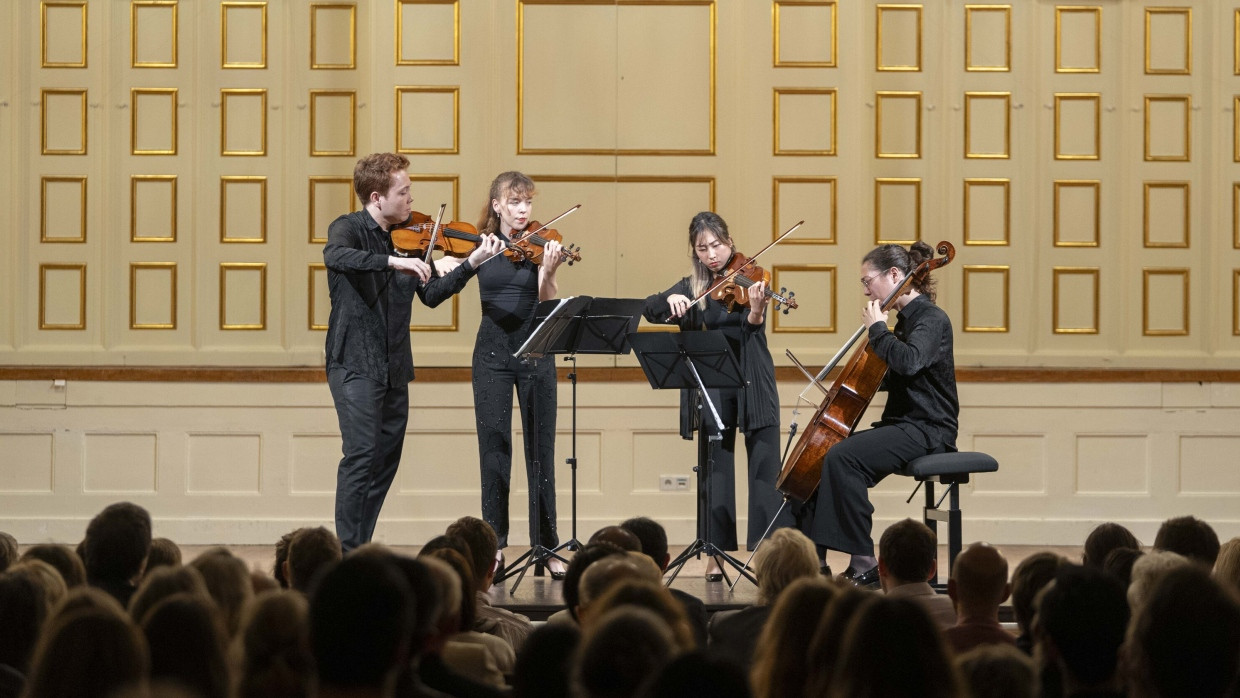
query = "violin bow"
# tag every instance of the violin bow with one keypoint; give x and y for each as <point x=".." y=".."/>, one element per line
<point x="711" y="289"/>
<point x="527" y="234"/>
<point x="434" y="233"/>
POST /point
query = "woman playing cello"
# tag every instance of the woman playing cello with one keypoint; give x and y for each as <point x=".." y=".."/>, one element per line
<point x="920" y="416"/>
<point x="753" y="408"/>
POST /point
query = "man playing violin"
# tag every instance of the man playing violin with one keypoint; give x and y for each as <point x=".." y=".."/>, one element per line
<point x="369" y="360"/>
<point x="920" y="416"/>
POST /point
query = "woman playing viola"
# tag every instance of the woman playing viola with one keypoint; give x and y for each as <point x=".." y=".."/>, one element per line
<point x="920" y="416"/>
<point x="510" y="291"/>
<point x="753" y="408"/>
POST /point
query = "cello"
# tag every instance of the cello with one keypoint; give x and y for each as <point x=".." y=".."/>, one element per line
<point x="847" y="398"/>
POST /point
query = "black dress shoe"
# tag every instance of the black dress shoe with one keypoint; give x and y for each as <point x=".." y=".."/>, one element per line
<point x="825" y="570"/>
<point x="557" y="575"/>
<point x="865" y="580"/>
<point x="716" y="577"/>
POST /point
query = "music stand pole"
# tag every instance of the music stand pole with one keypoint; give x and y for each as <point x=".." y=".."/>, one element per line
<point x="572" y="544"/>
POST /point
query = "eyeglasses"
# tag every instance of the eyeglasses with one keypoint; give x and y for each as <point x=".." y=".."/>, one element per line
<point x="866" y="281"/>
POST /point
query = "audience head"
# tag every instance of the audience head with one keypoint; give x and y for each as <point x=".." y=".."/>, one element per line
<point x="277" y="569"/>
<point x="449" y="590"/>
<point x="117" y="542"/>
<point x="599" y="576"/>
<point x="1190" y="537"/>
<point x="361" y="616"/>
<point x="1081" y="619"/>
<point x="779" y="667"/>
<point x="625" y="649"/>
<point x="46" y="577"/>
<point x="1031" y="575"/>
<point x="1119" y="564"/>
<point x="310" y="551"/>
<point x="24" y="610"/>
<point x="699" y="673"/>
<point x="979" y="581"/>
<point x="1103" y="539"/>
<point x="907" y="554"/>
<point x="164" y="553"/>
<point x="998" y="671"/>
<point x="8" y="550"/>
<point x="276" y="643"/>
<point x="785" y="557"/>
<point x="652" y="596"/>
<point x="1146" y="570"/>
<point x="913" y="660"/>
<point x="228" y="583"/>
<point x="828" y="638"/>
<point x="467" y="605"/>
<point x="1227" y="568"/>
<point x="87" y="653"/>
<point x="86" y="598"/>
<point x="618" y="536"/>
<point x="62" y="557"/>
<point x="570" y="589"/>
<point x="483" y="545"/>
<point x="187" y="644"/>
<point x="545" y="663"/>
<point x="428" y="604"/>
<point x="1185" y="640"/>
<point x="163" y="582"/>
<point x="652" y="536"/>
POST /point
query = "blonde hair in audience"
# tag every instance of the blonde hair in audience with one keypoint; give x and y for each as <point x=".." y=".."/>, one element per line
<point x="1227" y="567"/>
<point x="788" y="555"/>
<point x="779" y="661"/>
<point x="1146" y="571"/>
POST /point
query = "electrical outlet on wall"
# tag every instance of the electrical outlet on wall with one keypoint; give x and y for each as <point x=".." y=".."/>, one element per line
<point x="673" y="483"/>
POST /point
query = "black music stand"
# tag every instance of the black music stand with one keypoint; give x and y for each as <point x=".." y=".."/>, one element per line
<point x="697" y="360"/>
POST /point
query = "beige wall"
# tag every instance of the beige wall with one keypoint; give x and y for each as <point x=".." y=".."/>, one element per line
<point x="173" y="167"/>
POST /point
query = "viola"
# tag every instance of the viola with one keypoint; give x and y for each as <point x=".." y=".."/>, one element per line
<point x="455" y="239"/>
<point x="533" y="244"/>
<point x="740" y="274"/>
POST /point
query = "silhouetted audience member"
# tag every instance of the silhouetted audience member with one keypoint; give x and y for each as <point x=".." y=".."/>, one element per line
<point x="483" y="546"/>
<point x="701" y="674"/>
<point x="978" y="586"/>
<point x="912" y="662"/>
<point x="24" y="611"/>
<point x="1185" y="641"/>
<point x="613" y="569"/>
<point x="310" y="551"/>
<point x="779" y="665"/>
<point x="87" y="653"/>
<point x="652" y="596"/>
<point x="1119" y="564"/>
<point x="544" y="667"/>
<point x="998" y="671"/>
<point x="622" y="653"/>
<point x="281" y="551"/>
<point x="1147" y="570"/>
<point x="164" y="553"/>
<point x="46" y="577"/>
<point x="652" y="538"/>
<point x="228" y="582"/>
<point x="1031" y="575"/>
<point x="8" y="550"/>
<point x="570" y="588"/>
<point x="907" y="560"/>
<point x="1190" y="537"/>
<point x="825" y="649"/>
<point x="1103" y="539"/>
<point x="786" y="556"/>
<point x="1227" y="568"/>
<point x="485" y="657"/>
<point x="187" y="644"/>
<point x="115" y="549"/>
<point x="86" y="598"/>
<point x="1081" y="619"/>
<point x="361" y="615"/>
<point x="445" y="542"/>
<point x="62" y="557"/>
<point x="163" y="582"/>
<point x="275" y="640"/>
<point x="618" y="536"/>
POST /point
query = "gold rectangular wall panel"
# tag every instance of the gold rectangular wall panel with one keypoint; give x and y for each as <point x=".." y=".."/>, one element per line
<point x="153" y="33"/>
<point x="333" y="128"/>
<point x="817" y="306"/>
<point x="1235" y="128"/>
<point x="1078" y="39"/>
<point x="897" y="124"/>
<point x="1235" y="215"/>
<point x="62" y="209"/>
<point x="433" y="37"/>
<point x="974" y="273"/>
<point x="248" y="210"/>
<point x="1235" y="43"/>
<point x="319" y="304"/>
<point x="984" y="113"/>
<point x="429" y="113"/>
<point x="1154" y="303"/>
<point x="897" y="209"/>
<point x="897" y="44"/>
<point x="331" y="46"/>
<point x="988" y="200"/>
<point x="62" y="121"/>
<point x="153" y="133"/>
<point x="249" y="133"/>
<point x="1168" y="128"/>
<point x="1166" y="205"/>
<point x="148" y="204"/>
<point x="802" y="198"/>
<point x="430" y="190"/>
<point x="243" y="35"/>
<point x="1068" y="300"/>
<point x="1072" y="109"/>
<point x="809" y="109"/>
<point x="1168" y="41"/>
<point x="62" y="308"/>
<point x="982" y="53"/>
<point x="810" y="37"/>
<point x="1235" y="302"/>
<point x="338" y="198"/>
<point x="62" y="33"/>
<point x="1078" y="202"/>
<point x="453" y="324"/>
<point x="145" y="297"/>
<point x="239" y="316"/>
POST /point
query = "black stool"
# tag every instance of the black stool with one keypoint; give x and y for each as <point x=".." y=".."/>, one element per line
<point x="950" y="469"/>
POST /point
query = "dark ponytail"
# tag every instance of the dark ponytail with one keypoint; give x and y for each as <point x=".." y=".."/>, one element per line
<point x="885" y="257"/>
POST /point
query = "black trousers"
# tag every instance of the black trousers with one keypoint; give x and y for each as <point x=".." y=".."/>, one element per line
<point x="372" y="420"/>
<point x="762" y="450"/>
<point x="842" y="513"/>
<point x="495" y="374"/>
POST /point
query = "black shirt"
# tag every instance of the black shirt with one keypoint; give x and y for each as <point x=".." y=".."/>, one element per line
<point x="368" y="328"/>
<point x="921" y="376"/>
<point x="509" y="295"/>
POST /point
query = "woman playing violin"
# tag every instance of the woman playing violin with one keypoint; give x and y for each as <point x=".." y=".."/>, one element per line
<point x="753" y="408"/>
<point x="510" y="291"/>
<point x="920" y="416"/>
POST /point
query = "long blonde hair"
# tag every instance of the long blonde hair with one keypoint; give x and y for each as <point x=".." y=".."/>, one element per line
<point x="702" y="275"/>
<point x="510" y="182"/>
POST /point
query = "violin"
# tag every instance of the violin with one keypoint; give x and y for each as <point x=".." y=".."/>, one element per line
<point x="533" y="244"/>
<point x="455" y="239"/>
<point x="740" y="274"/>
